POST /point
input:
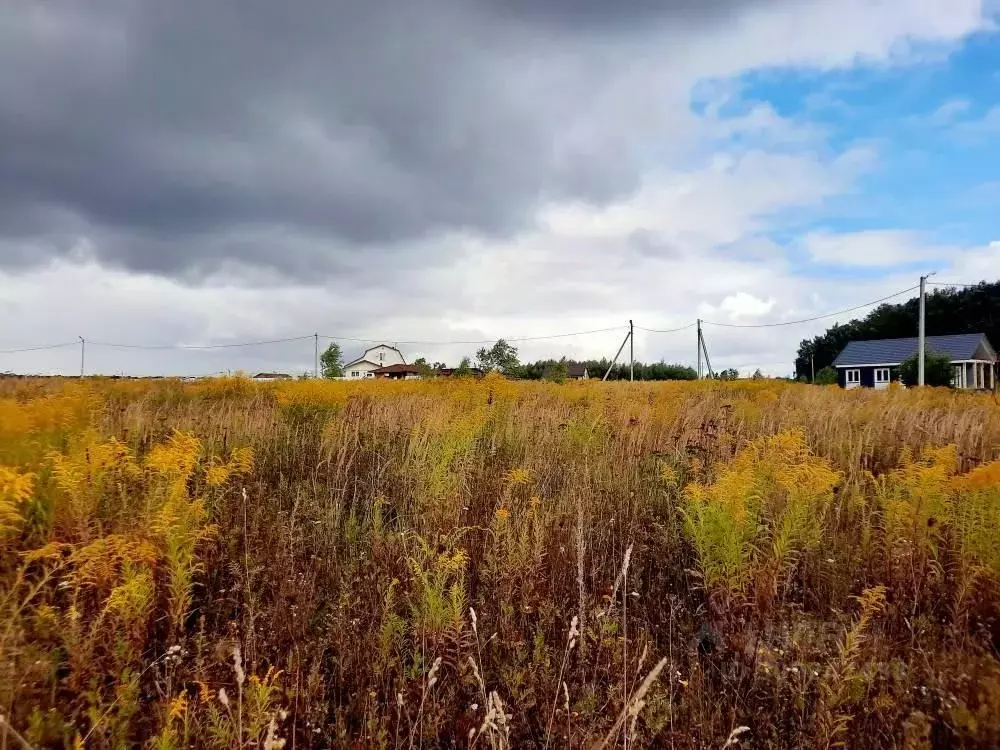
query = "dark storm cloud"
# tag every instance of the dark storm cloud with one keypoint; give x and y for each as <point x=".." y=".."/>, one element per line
<point x="179" y="136"/>
<point x="604" y="15"/>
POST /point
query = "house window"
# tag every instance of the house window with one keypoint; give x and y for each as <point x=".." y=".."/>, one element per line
<point x="956" y="376"/>
<point x="881" y="375"/>
<point x="853" y="377"/>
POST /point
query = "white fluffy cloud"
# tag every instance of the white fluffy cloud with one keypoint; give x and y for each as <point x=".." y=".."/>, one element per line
<point x="873" y="248"/>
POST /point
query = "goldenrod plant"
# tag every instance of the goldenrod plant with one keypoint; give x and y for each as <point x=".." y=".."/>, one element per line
<point x="490" y="563"/>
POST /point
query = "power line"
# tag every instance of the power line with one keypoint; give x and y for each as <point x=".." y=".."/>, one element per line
<point x="39" y="348"/>
<point x="197" y="347"/>
<point x="202" y="347"/>
<point x="809" y="320"/>
<point x="953" y="283"/>
<point x="479" y="341"/>
<point x="665" y="330"/>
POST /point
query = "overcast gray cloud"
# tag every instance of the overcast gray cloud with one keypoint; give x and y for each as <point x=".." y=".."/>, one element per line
<point x="184" y="172"/>
<point x="169" y="132"/>
<point x="569" y="16"/>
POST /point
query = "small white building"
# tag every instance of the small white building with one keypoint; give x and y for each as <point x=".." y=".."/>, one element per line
<point x="374" y="358"/>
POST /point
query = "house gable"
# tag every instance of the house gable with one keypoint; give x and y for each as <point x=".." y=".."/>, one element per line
<point x="381" y="355"/>
<point x="985" y="351"/>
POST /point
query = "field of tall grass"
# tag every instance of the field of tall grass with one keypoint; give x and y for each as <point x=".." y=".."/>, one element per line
<point x="226" y="564"/>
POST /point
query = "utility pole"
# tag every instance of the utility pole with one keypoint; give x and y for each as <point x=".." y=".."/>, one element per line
<point x="628" y="337"/>
<point x="316" y="351"/>
<point x="631" y="352"/>
<point x="922" y="330"/>
<point x="699" y="348"/>
<point x="83" y="351"/>
<point x="708" y="362"/>
<point x="812" y="369"/>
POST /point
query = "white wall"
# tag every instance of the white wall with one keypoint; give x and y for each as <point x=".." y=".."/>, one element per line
<point x="383" y="355"/>
<point x="360" y="370"/>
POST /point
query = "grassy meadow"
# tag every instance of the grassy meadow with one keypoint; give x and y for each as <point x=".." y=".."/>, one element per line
<point x="226" y="564"/>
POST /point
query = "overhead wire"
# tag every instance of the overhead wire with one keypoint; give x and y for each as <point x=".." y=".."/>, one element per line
<point x="810" y="320"/>
<point x="665" y="330"/>
<point x="39" y="348"/>
<point x="196" y="347"/>
<point x="234" y="345"/>
<point x="239" y="344"/>
<point x="953" y="283"/>
<point x="477" y="341"/>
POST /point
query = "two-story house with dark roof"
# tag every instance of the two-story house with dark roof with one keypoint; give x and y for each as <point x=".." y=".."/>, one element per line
<point x="875" y="364"/>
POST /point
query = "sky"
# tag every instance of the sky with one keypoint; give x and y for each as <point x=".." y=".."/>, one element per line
<point x="191" y="174"/>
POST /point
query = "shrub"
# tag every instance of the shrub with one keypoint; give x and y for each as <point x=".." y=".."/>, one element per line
<point x="937" y="369"/>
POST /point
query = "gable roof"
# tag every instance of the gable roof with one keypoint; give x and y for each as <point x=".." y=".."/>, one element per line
<point x="575" y="369"/>
<point x="383" y="346"/>
<point x="897" y="351"/>
<point x="371" y="348"/>
<point x="360" y="361"/>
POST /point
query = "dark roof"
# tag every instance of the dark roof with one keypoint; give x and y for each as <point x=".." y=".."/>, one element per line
<point x="575" y="369"/>
<point x="397" y="370"/>
<point x="896" y="351"/>
<point x="272" y="376"/>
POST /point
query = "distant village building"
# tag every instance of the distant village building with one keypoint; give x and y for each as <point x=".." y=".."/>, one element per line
<point x="373" y="359"/>
<point x="576" y="371"/>
<point x="272" y="376"/>
<point x="875" y="364"/>
<point x="451" y="372"/>
<point x="397" y="372"/>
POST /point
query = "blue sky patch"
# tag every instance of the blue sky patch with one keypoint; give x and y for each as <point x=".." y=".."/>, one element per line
<point x="933" y="123"/>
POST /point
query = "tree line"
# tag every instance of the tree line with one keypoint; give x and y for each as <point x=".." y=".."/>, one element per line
<point x="503" y="358"/>
<point x="975" y="309"/>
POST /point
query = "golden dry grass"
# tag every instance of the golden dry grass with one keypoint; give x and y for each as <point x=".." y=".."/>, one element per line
<point x="228" y="564"/>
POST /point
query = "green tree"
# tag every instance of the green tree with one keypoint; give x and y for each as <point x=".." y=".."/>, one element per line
<point x="464" y="368"/>
<point x="937" y="369"/>
<point x="826" y="376"/>
<point x="501" y="357"/>
<point x="424" y="368"/>
<point x="757" y="375"/>
<point x="730" y="373"/>
<point x="331" y="361"/>
<point x="556" y="371"/>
